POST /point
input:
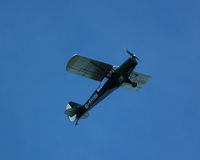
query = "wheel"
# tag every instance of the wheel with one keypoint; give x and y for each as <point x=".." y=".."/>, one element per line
<point x="134" y="84"/>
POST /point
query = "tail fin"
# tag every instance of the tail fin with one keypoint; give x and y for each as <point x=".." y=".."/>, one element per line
<point x="75" y="111"/>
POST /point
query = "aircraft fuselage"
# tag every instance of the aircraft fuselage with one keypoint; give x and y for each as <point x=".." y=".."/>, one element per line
<point x="114" y="79"/>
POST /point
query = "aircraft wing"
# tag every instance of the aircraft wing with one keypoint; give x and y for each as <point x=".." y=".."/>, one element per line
<point x="87" y="67"/>
<point x="139" y="78"/>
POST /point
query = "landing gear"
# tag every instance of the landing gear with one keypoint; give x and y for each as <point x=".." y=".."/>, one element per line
<point x="134" y="84"/>
<point x="76" y="122"/>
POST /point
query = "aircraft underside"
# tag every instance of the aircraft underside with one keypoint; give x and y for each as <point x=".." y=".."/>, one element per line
<point x="114" y="77"/>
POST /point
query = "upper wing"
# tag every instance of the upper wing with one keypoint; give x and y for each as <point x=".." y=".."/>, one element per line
<point x="87" y="67"/>
<point x="139" y="78"/>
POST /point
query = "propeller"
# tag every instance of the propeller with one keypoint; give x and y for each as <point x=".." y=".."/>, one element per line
<point x="131" y="54"/>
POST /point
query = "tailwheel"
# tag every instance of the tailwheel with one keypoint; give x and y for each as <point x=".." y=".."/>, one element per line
<point x="76" y="122"/>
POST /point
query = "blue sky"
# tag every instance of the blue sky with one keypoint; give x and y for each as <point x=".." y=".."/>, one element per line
<point x="37" y="38"/>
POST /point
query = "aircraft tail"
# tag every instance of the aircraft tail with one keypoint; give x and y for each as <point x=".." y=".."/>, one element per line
<point x="75" y="111"/>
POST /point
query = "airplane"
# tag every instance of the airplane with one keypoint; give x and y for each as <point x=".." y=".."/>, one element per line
<point x="112" y="76"/>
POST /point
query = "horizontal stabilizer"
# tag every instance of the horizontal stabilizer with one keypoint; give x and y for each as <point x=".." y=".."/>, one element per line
<point x="85" y="115"/>
<point x="74" y="111"/>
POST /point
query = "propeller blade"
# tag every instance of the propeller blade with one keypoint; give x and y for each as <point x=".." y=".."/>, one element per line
<point x="131" y="54"/>
<point x="137" y="58"/>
